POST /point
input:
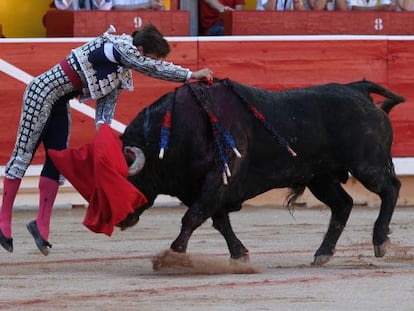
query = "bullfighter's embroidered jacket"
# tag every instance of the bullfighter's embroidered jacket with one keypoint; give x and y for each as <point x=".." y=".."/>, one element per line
<point x="99" y="69"/>
<point x="105" y="69"/>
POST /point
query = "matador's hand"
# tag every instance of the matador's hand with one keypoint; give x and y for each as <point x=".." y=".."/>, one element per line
<point x="203" y="74"/>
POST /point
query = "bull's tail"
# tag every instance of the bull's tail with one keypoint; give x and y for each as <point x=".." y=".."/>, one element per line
<point x="368" y="88"/>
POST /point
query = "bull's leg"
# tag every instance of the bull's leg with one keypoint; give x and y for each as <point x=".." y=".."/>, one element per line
<point x="202" y="209"/>
<point x="387" y="186"/>
<point x="237" y="250"/>
<point x="389" y="195"/>
<point x="191" y="220"/>
<point x="332" y="194"/>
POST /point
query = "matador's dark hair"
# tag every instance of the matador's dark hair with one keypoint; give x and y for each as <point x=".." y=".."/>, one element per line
<point x="152" y="41"/>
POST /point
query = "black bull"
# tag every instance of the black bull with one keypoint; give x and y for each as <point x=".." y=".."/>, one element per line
<point x="335" y="130"/>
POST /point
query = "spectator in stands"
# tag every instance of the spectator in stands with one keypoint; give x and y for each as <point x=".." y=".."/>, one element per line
<point x="372" y="5"/>
<point x="138" y="4"/>
<point x="100" y="69"/>
<point x="299" y="5"/>
<point x="280" y="5"/>
<point x="341" y="5"/>
<point x="319" y="5"/>
<point x="405" y="5"/>
<point x="210" y="13"/>
<point x="83" y="4"/>
<point x="329" y="5"/>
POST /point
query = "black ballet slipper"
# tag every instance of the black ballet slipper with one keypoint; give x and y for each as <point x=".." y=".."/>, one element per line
<point x="41" y="243"/>
<point x="7" y="243"/>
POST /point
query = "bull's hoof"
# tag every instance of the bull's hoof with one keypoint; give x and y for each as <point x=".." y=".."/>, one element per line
<point x="242" y="255"/>
<point x="381" y="250"/>
<point x="321" y="260"/>
<point x="129" y="221"/>
<point x="178" y="248"/>
<point x="243" y="259"/>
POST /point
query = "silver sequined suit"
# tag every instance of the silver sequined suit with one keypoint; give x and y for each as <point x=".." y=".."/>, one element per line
<point x="97" y="83"/>
<point x="38" y="99"/>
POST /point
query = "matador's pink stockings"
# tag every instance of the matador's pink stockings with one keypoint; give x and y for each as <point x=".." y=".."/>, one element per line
<point x="10" y="188"/>
<point x="48" y="190"/>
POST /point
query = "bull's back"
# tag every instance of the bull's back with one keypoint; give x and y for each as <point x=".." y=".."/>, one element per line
<point x="326" y="113"/>
<point x="328" y="126"/>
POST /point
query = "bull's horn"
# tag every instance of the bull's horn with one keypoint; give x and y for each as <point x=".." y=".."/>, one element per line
<point x="137" y="156"/>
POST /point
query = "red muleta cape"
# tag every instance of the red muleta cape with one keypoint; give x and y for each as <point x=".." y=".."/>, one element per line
<point x="98" y="171"/>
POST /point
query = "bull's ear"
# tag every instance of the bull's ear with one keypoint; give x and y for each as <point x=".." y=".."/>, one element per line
<point x="137" y="157"/>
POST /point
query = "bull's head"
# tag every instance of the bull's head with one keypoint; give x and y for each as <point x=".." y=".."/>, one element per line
<point x="135" y="159"/>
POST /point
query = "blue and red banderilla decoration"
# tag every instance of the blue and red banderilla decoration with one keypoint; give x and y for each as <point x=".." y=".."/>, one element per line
<point x="222" y="137"/>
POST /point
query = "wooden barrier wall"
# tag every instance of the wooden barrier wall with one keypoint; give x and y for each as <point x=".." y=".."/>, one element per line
<point x="274" y="63"/>
<point x="60" y="23"/>
<point x="318" y="23"/>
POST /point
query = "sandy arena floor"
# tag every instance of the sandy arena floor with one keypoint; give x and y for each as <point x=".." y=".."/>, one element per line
<point x="88" y="271"/>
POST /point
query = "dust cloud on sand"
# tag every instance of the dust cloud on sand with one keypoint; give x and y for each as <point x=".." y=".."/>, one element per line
<point x="200" y="264"/>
